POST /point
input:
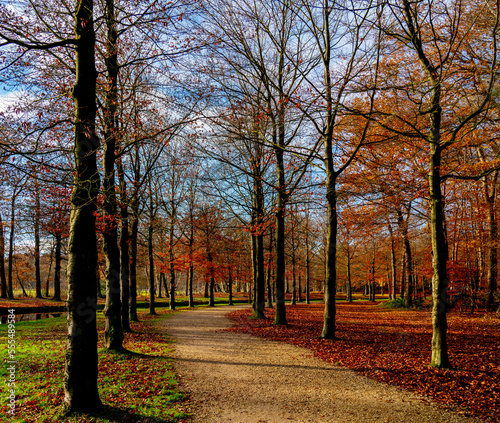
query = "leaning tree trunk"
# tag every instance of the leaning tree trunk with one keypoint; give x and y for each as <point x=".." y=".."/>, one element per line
<point x="80" y="373"/>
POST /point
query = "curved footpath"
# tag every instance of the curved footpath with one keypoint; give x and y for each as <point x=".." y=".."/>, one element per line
<point x="233" y="377"/>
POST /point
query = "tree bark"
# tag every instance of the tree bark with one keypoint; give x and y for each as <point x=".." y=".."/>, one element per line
<point x="439" y="345"/>
<point x="113" y="332"/>
<point x="10" y="290"/>
<point x="408" y="263"/>
<point x="133" y="266"/>
<point x="349" y="283"/>
<point x="47" y="281"/>
<point x="151" y="268"/>
<point x="124" y="250"/>
<point x="3" y="278"/>
<point x="269" y="271"/>
<point x="328" y="331"/>
<point x="80" y="373"/>
<point x="492" y="275"/>
<point x="280" y="312"/>
<point x="294" y="269"/>
<point x="211" y="300"/>
<point x="57" y="268"/>
<point x="439" y="357"/>
<point x="308" y="261"/>
<point x="38" y="277"/>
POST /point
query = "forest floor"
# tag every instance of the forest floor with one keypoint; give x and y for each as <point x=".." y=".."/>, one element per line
<point x="229" y="375"/>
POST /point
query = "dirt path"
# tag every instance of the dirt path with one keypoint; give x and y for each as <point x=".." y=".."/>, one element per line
<point x="232" y="377"/>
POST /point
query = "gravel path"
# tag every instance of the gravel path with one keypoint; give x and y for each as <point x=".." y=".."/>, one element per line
<point x="232" y="377"/>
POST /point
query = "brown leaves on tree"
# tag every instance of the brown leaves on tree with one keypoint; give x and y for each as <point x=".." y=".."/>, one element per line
<point x="393" y="346"/>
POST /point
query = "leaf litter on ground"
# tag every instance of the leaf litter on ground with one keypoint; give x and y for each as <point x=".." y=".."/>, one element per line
<point x="393" y="346"/>
<point x="134" y="386"/>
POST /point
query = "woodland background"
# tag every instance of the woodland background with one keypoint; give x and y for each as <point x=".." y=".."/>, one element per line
<point x="267" y="147"/>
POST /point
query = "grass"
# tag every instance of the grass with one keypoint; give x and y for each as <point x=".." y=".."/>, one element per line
<point x="134" y="387"/>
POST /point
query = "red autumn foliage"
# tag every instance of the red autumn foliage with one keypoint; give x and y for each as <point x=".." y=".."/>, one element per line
<point x="393" y="346"/>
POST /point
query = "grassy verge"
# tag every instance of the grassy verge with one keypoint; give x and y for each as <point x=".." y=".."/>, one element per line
<point x="134" y="387"/>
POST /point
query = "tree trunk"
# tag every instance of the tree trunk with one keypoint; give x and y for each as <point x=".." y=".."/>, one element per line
<point x="230" y="287"/>
<point x="308" y="262"/>
<point x="280" y="312"/>
<point x="3" y="278"/>
<point x="491" y="278"/>
<point x="57" y="269"/>
<point x="211" y="300"/>
<point x="261" y="279"/>
<point x="207" y="284"/>
<point x="393" y="263"/>
<point x="328" y="331"/>
<point x="349" y="284"/>
<point x="124" y="250"/>
<point x="439" y="356"/>
<point x="408" y="270"/>
<point x="113" y="332"/>
<point x="172" y="287"/>
<point x="269" y="271"/>
<point x="47" y="281"/>
<point x="190" y="284"/>
<point x="372" y="278"/>
<point x="10" y="291"/>
<point x="38" y="277"/>
<point x="294" y="270"/>
<point x="80" y="373"/>
<point x="133" y="266"/>
<point x="151" y="269"/>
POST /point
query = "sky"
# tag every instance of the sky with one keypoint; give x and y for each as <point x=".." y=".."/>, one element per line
<point x="7" y="98"/>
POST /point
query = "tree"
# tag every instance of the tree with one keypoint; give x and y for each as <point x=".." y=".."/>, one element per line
<point x="114" y="331"/>
<point x="3" y="278"/>
<point x="332" y="27"/>
<point x="80" y="374"/>
<point x="437" y="35"/>
<point x="264" y="76"/>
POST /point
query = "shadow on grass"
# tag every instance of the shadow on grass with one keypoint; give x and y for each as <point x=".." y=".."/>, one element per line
<point x="120" y="415"/>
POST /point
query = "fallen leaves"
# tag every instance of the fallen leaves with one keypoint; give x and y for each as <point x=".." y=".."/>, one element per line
<point x="139" y="386"/>
<point x="393" y="346"/>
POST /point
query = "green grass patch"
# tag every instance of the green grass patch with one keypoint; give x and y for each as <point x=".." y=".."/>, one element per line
<point x="136" y="386"/>
<point x="417" y="303"/>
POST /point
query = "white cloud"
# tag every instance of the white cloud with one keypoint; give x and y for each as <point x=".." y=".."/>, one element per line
<point x="8" y="98"/>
